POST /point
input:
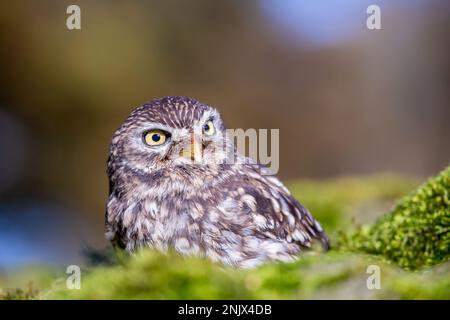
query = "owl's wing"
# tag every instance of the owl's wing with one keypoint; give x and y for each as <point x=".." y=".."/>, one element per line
<point x="275" y="212"/>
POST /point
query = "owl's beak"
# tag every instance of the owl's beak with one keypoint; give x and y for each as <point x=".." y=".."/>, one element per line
<point x="193" y="151"/>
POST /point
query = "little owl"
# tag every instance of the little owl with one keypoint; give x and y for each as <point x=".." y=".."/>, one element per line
<point x="172" y="186"/>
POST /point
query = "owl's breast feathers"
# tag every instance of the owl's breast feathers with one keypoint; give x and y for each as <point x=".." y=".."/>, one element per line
<point x="233" y="215"/>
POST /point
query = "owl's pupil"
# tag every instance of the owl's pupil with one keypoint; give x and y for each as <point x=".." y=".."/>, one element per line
<point x="156" y="137"/>
<point x="206" y="127"/>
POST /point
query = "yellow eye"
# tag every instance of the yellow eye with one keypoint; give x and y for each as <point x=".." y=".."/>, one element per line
<point x="155" y="137"/>
<point x="209" y="129"/>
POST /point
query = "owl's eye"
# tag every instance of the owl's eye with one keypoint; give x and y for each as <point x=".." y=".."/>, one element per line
<point x="209" y="129"/>
<point x="155" y="137"/>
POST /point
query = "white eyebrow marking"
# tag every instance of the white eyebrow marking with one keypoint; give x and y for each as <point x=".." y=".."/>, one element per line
<point x="156" y="125"/>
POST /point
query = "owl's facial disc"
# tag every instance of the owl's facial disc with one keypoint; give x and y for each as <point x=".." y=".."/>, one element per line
<point x="169" y="132"/>
<point x="165" y="135"/>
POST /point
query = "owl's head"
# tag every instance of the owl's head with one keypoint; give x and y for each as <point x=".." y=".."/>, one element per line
<point x="168" y="132"/>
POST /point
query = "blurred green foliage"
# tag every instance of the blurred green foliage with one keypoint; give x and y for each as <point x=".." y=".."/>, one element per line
<point x="342" y="205"/>
<point x="339" y="203"/>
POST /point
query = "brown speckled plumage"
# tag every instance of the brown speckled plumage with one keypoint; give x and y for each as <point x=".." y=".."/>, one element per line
<point x="228" y="212"/>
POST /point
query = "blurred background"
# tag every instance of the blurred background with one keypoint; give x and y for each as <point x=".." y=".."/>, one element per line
<point x="347" y="100"/>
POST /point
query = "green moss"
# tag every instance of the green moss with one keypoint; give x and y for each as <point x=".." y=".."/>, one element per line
<point x="417" y="231"/>
<point x="336" y="275"/>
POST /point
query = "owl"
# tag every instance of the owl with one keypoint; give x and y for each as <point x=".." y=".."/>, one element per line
<point x="172" y="186"/>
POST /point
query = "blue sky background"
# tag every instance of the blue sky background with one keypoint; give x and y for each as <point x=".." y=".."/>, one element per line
<point x="322" y="23"/>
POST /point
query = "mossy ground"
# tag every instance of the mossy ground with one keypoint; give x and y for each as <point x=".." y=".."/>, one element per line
<point x="417" y="231"/>
<point x="152" y="275"/>
<point x="350" y="209"/>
